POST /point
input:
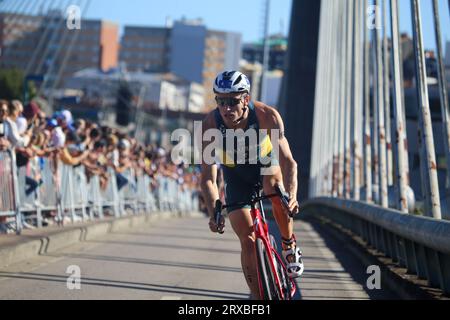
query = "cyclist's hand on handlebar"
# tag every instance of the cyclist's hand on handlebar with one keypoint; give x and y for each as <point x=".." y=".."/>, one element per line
<point x="289" y="201"/>
<point x="217" y="228"/>
<point x="293" y="206"/>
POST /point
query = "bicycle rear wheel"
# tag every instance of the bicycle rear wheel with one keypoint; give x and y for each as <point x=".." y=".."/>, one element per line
<point x="265" y="272"/>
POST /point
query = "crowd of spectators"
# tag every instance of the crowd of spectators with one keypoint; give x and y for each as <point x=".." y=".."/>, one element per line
<point x="32" y="134"/>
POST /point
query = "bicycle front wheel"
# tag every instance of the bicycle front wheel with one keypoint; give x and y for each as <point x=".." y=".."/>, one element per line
<point x="268" y="287"/>
<point x="283" y="276"/>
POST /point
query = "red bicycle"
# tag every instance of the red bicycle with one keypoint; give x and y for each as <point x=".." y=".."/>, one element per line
<point x="273" y="279"/>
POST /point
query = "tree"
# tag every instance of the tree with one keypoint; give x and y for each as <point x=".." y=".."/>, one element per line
<point x="11" y="84"/>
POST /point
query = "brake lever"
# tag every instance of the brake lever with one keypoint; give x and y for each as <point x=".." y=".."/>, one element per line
<point x="284" y="199"/>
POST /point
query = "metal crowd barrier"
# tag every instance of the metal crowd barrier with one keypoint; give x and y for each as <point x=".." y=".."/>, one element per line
<point x="73" y="194"/>
<point x="9" y="195"/>
<point x="420" y="244"/>
<point x="48" y="194"/>
<point x="145" y="197"/>
<point x="162" y="193"/>
<point x="128" y="193"/>
<point x="28" y="203"/>
<point x="95" y="196"/>
<point x="168" y="194"/>
<point x="68" y="193"/>
<point x="110" y="196"/>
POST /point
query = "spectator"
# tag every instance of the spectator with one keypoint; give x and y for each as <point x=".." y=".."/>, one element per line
<point x="31" y="112"/>
<point x="95" y="134"/>
<point x="112" y="153"/>
<point x="72" y="154"/>
<point x="58" y="137"/>
<point x="15" y="108"/>
<point x="32" y="178"/>
<point x="22" y="125"/>
<point x="65" y="121"/>
<point x="82" y="142"/>
<point x="4" y="145"/>
<point x="80" y="126"/>
<point x="124" y="163"/>
<point x="4" y="142"/>
<point x="20" y="138"/>
<point x="96" y="164"/>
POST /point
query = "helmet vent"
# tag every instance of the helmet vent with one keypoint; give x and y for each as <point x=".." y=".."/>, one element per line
<point x="237" y="80"/>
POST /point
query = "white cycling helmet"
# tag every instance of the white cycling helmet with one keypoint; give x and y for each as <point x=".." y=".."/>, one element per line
<point x="231" y="82"/>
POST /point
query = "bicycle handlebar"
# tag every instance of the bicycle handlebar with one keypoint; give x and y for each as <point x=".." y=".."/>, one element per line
<point x="284" y="199"/>
<point x="279" y="193"/>
<point x="250" y="202"/>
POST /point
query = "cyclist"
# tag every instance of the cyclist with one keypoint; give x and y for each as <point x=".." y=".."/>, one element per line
<point x="235" y="110"/>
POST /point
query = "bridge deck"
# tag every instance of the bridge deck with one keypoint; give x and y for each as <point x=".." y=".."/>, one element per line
<point x="179" y="259"/>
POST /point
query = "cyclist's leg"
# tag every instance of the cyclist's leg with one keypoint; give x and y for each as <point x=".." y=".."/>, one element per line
<point x="237" y="189"/>
<point x="285" y="225"/>
<point x="291" y="251"/>
<point x="242" y="224"/>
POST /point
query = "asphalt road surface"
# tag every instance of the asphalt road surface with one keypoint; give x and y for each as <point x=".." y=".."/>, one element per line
<point x="179" y="259"/>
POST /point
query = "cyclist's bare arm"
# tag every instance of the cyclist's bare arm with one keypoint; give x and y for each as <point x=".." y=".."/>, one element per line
<point x="209" y="172"/>
<point x="271" y="119"/>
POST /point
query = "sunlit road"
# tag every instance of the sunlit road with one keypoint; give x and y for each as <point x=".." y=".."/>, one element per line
<point x="178" y="259"/>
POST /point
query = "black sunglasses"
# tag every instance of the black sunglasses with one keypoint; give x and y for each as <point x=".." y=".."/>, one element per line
<point x="231" y="102"/>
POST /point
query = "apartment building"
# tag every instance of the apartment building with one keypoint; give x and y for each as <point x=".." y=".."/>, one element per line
<point x="44" y="45"/>
<point x="18" y="38"/>
<point x="145" y="49"/>
<point x="198" y="54"/>
<point x="187" y="49"/>
<point x="254" y="52"/>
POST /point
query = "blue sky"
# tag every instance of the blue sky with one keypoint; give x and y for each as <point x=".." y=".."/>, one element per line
<point x="243" y="16"/>
<point x="427" y="20"/>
